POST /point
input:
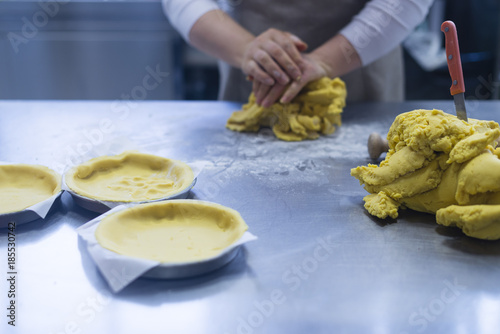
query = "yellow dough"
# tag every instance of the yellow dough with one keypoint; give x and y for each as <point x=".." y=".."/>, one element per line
<point x="129" y="177"/>
<point x="480" y="221"/>
<point x="171" y="231"/>
<point x="438" y="163"/>
<point x="314" y="111"/>
<point x="22" y="186"/>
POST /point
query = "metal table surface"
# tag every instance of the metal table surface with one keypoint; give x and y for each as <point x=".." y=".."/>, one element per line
<point x="321" y="263"/>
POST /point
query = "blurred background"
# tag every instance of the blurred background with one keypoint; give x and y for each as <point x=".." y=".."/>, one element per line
<point x="123" y="50"/>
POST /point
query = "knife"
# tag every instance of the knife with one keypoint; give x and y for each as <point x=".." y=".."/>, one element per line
<point x="457" y="88"/>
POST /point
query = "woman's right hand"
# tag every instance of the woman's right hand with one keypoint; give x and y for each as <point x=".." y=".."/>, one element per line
<point x="274" y="57"/>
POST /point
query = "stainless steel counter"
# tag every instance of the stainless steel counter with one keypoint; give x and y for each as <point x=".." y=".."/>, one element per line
<point x="321" y="263"/>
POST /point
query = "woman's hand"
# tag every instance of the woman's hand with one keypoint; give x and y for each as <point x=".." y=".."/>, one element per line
<point x="273" y="57"/>
<point x="312" y="68"/>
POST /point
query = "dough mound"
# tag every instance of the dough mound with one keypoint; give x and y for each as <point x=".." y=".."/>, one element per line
<point x="439" y="164"/>
<point x="314" y="111"/>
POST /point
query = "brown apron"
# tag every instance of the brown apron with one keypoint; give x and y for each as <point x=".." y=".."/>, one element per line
<point x="315" y="22"/>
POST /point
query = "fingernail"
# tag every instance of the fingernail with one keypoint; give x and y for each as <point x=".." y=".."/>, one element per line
<point x="269" y="81"/>
<point x="277" y="75"/>
<point x="298" y="78"/>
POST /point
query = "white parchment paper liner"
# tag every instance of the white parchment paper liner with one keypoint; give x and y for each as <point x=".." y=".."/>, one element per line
<point x="40" y="209"/>
<point x="196" y="167"/>
<point x="120" y="270"/>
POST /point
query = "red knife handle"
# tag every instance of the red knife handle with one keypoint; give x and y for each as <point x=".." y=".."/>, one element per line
<point x="453" y="57"/>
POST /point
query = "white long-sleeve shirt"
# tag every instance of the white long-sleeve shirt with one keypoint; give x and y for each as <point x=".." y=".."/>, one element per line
<point x="378" y="28"/>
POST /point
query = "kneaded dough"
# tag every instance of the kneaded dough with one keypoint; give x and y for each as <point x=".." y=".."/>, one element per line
<point x="381" y="205"/>
<point x="171" y="231"/>
<point x="314" y="111"/>
<point x="480" y="221"/>
<point x="129" y="177"/>
<point x="438" y="163"/>
<point x="22" y="186"/>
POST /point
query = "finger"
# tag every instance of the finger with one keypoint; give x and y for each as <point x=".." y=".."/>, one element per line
<point x="273" y="95"/>
<point x="293" y="90"/>
<point x="299" y="44"/>
<point x="293" y="45"/>
<point x="253" y="70"/>
<point x="283" y="59"/>
<point x="260" y="90"/>
<point x="275" y="33"/>
<point x="264" y="59"/>
<point x="286" y="42"/>
<point x="255" y="87"/>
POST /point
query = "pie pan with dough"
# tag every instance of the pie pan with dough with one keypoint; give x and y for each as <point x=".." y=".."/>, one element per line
<point x="26" y="192"/>
<point x="131" y="177"/>
<point x="164" y="240"/>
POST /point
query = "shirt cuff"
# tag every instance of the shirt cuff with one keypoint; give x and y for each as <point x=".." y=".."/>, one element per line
<point x="183" y="14"/>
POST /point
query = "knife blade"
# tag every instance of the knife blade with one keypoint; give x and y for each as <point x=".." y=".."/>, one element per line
<point x="459" y="100"/>
<point x="457" y="88"/>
